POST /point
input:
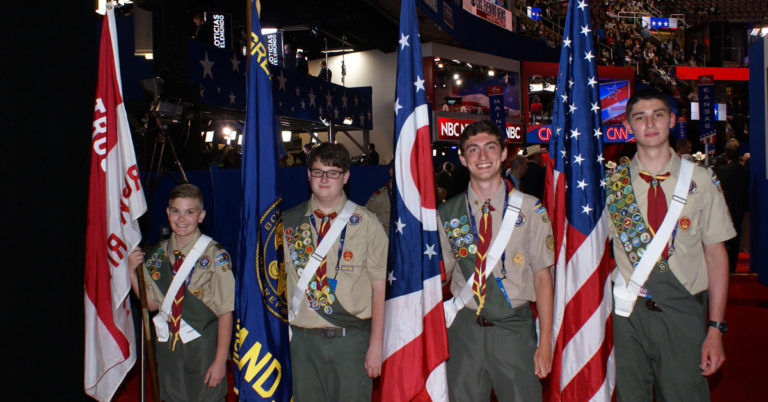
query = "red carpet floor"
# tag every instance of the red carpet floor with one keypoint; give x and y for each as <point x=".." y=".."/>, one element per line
<point x="742" y="377"/>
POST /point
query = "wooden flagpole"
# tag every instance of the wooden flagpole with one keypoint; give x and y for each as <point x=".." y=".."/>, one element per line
<point x="148" y="334"/>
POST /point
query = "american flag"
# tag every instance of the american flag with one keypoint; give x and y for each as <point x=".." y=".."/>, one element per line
<point x="415" y="341"/>
<point x="583" y="359"/>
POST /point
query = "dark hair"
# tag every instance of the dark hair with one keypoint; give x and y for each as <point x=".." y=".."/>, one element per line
<point x="372" y="145"/>
<point x="186" y="190"/>
<point x="732" y="150"/>
<point x="478" y="127"/>
<point x="646" y="94"/>
<point x="331" y="155"/>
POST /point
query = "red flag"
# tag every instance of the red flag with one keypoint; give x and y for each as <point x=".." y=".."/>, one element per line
<point x="115" y="202"/>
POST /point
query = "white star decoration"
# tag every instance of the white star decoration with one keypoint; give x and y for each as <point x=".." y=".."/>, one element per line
<point x="430" y="251"/>
<point x="578" y="159"/>
<point x="235" y="63"/>
<point x="567" y="42"/>
<point x="311" y="97"/>
<point x="328" y="99"/>
<point x="397" y="106"/>
<point x="403" y="40"/>
<point x="207" y="66"/>
<point x="419" y="84"/>
<point x="391" y="277"/>
<point x="581" y="184"/>
<point x="588" y="56"/>
<point x="572" y="108"/>
<point x="582" y="5"/>
<point x="585" y="209"/>
<point x="591" y="82"/>
<point x="585" y="30"/>
<point x="598" y="133"/>
<point x="603" y="183"/>
<point x="281" y="81"/>
<point x="565" y="98"/>
<point x="400" y="226"/>
<point x="600" y="158"/>
<point x="231" y="98"/>
<point x="575" y="133"/>
<point x="344" y="100"/>
<point x="595" y="107"/>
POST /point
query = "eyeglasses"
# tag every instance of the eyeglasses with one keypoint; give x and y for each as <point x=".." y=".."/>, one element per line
<point x="332" y="174"/>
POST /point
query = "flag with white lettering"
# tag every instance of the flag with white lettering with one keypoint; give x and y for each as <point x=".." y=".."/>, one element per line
<point x="415" y="341"/>
<point x="261" y="352"/>
<point x="583" y="359"/>
<point x="115" y="203"/>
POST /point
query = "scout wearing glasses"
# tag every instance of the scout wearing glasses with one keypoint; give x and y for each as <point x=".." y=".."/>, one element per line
<point x="668" y="221"/>
<point x="335" y="259"/>
<point x="189" y="279"/>
<point x="492" y="338"/>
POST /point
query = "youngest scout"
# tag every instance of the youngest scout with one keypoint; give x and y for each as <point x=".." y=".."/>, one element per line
<point x="194" y="325"/>
<point x="335" y="260"/>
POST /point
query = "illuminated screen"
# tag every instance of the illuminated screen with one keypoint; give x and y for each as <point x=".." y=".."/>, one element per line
<point x="613" y="101"/>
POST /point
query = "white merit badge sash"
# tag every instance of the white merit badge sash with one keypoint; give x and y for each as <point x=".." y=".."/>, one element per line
<point x="625" y="294"/>
<point x="186" y="332"/>
<point x="452" y="306"/>
<point x="318" y="256"/>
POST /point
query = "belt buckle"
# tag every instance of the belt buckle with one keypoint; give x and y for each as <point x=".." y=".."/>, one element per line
<point x="329" y="332"/>
<point x="651" y="305"/>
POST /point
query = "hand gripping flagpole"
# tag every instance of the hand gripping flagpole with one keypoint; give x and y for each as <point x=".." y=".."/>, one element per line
<point x="147" y="336"/>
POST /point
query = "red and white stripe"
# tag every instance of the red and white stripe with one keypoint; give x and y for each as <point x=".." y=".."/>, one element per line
<point x="115" y="202"/>
<point x="583" y="363"/>
<point x="414" y="347"/>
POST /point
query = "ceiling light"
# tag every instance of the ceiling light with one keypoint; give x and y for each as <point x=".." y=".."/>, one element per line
<point x="268" y="31"/>
<point x="458" y="82"/>
<point x="455" y="76"/>
<point x="491" y="73"/>
<point x="345" y="50"/>
<point x="347" y="120"/>
<point x="287" y="136"/>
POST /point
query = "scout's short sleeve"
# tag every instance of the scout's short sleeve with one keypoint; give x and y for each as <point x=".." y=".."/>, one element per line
<point x="378" y="247"/>
<point x="718" y="226"/>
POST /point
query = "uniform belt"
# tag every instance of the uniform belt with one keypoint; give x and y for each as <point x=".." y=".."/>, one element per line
<point x="651" y="305"/>
<point x="483" y="322"/>
<point x="324" y="332"/>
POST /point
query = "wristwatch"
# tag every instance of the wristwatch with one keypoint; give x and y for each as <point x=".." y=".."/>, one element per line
<point x="721" y="325"/>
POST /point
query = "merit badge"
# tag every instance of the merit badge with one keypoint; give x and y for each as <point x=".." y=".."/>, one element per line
<point x="621" y="203"/>
<point x="222" y="258"/>
<point x="309" y="249"/>
<point x="518" y="259"/>
<point x="299" y="244"/>
<point x="454" y="247"/>
<point x="307" y="241"/>
<point x="354" y="219"/>
<point x="463" y="251"/>
<point x="304" y="226"/>
<point x="300" y="252"/>
<point x="627" y="246"/>
<point x="619" y="227"/>
<point x="454" y="223"/>
<point x="294" y="255"/>
<point x="692" y="187"/>
<point x="288" y="231"/>
<point x="446" y="225"/>
<point x="472" y="249"/>
<point x="631" y="232"/>
<point x="624" y="212"/>
<point x="465" y="229"/>
<point x="635" y="242"/>
<point x="685" y="223"/>
<point x="456" y="232"/>
<point x="460" y="242"/>
<point x="627" y="222"/>
<point x="550" y="242"/>
<point x="456" y="255"/>
<point x="610" y="199"/>
<point x="289" y="239"/>
<point x="615" y="177"/>
<point x="348" y="255"/>
<point x="156" y="275"/>
<point x="633" y="257"/>
<point x="468" y="239"/>
<point x="616" y="186"/>
<point x="615" y="216"/>
<point x="306" y="233"/>
<point x="640" y="252"/>
<point x="203" y="262"/>
<point x="633" y="207"/>
<point x="637" y="218"/>
<point x="520" y="220"/>
<point x="625" y="181"/>
<point x="463" y="219"/>
<point x="645" y="237"/>
<point x="630" y="198"/>
<point x="640" y="228"/>
<point x="663" y="266"/>
<point x="612" y="208"/>
<point x="623" y="237"/>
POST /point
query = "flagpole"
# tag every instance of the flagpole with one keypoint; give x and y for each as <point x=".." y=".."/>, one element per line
<point x="148" y="335"/>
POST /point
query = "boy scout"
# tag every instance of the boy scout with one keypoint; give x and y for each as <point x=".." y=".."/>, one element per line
<point x="663" y="343"/>
<point x="194" y="325"/>
<point x="336" y="300"/>
<point x="493" y="337"/>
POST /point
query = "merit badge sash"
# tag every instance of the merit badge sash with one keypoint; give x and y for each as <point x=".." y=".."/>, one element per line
<point x="186" y="332"/>
<point x="452" y="306"/>
<point x="642" y="248"/>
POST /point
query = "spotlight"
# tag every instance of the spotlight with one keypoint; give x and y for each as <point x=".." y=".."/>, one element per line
<point x="209" y="136"/>
<point x="458" y="82"/>
<point x="286" y="136"/>
<point x="347" y="120"/>
<point x="455" y="76"/>
<point x="491" y="73"/>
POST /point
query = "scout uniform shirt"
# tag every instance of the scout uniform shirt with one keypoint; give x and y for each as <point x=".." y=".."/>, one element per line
<point x="379" y="204"/>
<point x="211" y="281"/>
<point x="529" y="249"/>
<point x="362" y="260"/>
<point x="703" y="220"/>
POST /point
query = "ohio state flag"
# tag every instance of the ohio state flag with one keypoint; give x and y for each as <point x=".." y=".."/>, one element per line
<point x="115" y="202"/>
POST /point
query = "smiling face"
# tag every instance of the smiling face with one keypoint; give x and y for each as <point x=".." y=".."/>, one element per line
<point x="482" y="155"/>
<point x="650" y="121"/>
<point x="327" y="190"/>
<point x="184" y="214"/>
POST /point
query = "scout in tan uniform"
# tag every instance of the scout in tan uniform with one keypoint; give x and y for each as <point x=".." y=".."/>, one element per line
<point x="492" y="340"/>
<point x="336" y="344"/>
<point x="192" y="358"/>
<point x="380" y="202"/>
<point x="665" y="347"/>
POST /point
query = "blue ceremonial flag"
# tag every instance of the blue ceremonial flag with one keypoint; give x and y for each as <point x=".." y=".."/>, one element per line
<point x="415" y="341"/>
<point x="582" y="366"/>
<point x="261" y="352"/>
